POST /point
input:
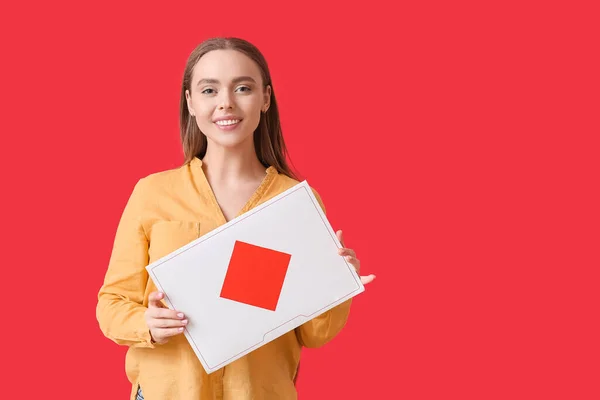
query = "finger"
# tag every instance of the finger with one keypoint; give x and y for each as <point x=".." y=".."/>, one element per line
<point x="154" y="299"/>
<point x="168" y="332"/>
<point x="165" y="313"/>
<point x="346" y="252"/>
<point x="340" y="237"/>
<point x="354" y="262"/>
<point x="167" y="323"/>
<point x="367" y="279"/>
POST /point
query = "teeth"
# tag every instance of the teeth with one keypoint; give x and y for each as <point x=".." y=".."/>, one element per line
<point x="228" y="122"/>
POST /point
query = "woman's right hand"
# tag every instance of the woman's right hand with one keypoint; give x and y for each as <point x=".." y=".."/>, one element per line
<point x="163" y="322"/>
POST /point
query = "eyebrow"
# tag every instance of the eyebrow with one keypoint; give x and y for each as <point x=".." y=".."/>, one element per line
<point x="235" y="80"/>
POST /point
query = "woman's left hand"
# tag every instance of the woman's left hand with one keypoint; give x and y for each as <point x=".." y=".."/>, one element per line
<point x="350" y="256"/>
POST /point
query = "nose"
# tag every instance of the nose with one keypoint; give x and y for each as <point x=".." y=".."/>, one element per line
<point x="225" y="101"/>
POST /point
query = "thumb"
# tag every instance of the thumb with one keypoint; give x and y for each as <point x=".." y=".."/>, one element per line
<point x="154" y="299"/>
<point x="367" y="279"/>
<point x="340" y="237"/>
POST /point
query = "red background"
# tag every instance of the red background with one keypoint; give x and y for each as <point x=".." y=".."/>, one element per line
<point x="455" y="143"/>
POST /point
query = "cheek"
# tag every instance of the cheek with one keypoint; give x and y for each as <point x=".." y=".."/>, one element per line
<point x="252" y="108"/>
<point x="204" y="118"/>
<point x="252" y="117"/>
<point x="204" y="112"/>
<point x="204" y="108"/>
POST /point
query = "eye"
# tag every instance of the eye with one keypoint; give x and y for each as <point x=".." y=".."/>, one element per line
<point x="243" y="89"/>
<point x="208" y="91"/>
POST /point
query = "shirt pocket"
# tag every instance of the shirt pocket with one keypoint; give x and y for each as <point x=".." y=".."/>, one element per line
<point x="168" y="236"/>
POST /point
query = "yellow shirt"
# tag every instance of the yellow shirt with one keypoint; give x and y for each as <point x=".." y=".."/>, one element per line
<point x="165" y="211"/>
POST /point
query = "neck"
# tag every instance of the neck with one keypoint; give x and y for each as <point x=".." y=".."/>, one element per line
<point x="232" y="164"/>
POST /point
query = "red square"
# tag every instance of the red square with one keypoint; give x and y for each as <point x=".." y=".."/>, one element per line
<point x="255" y="275"/>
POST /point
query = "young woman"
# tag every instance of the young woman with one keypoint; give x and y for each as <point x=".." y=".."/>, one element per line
<point x="234" y="160"/>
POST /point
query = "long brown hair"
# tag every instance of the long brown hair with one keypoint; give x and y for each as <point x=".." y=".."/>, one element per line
<point x="268" y="138"/>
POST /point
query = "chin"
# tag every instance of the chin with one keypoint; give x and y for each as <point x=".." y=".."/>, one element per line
<point x="229" y="139"/>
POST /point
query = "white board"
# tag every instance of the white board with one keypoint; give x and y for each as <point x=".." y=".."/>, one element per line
<point x="286" y="270"/>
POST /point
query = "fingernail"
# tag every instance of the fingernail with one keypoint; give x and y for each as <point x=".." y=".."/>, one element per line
<point x="180" y="315"/>
<point x="348" y="258"/>
<point x="184" y="322"/>
<point x="180" y="329"/>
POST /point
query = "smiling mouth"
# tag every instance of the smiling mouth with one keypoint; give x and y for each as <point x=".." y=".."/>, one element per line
<point x="228" y="122"/>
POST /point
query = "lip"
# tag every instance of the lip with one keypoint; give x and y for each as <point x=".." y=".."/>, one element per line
<point x="226" y="117"/>
<point x="227" y="128"/>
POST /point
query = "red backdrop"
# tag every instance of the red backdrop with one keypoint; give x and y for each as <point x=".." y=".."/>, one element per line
<point x="455" y="143"/>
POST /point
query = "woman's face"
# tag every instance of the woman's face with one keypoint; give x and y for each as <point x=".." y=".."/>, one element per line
<point x="226" y="97"/>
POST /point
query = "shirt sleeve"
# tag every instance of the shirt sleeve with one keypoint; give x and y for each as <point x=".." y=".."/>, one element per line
<point x="323" y="328"/>
<point x="120" y="310"/>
